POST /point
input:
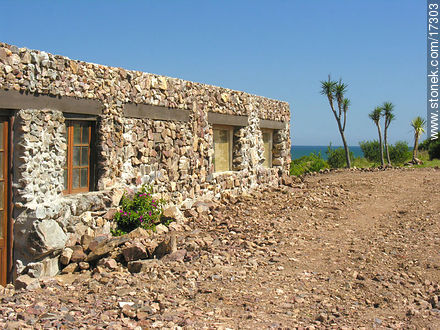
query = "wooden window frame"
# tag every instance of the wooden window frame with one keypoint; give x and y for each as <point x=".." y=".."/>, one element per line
<point x="5" y="237"/>
<point x="230" y="130"/>
<point x="270" y="131"/>
<point x="70" y="122"/>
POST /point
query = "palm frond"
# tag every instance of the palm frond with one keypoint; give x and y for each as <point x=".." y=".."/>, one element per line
<point x="345" y="104"/>
<point x="340" y="89"/>
<point x="388" y="108"/>
<point x="418" y="124"/>
<point x="328" y="88"/>
<point x="376" y="114"/>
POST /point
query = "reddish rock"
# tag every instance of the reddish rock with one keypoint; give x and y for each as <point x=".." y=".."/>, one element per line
<point x="167" y="246"/>
<point x="70" y="268"/>
<point x="84" y="265"/>
<point x="179" y="255"/>
<point x="134" y="252"/>
<point x="105" y="247"/>
<point x="95" y="242"/>
<point x="77" y="254"/>
<point x="139" y="232"/>
<point x="85" y="241"/>
<point x="190" y="213"/>
<point x="110" y="214"/>
<point x="72" y="239"/>
<point x="143" y="265"/>
<point x="66" y="255"/>
<point x="108" y="263"/>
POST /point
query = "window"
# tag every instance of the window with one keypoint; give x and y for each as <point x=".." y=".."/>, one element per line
<point x="267" y="142"/>
<point x="222" y="148"/>
<point x="77" y="169"/>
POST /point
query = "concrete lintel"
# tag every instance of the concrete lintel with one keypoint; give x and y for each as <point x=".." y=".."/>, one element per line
<point x="230" y="120"/>
<point x="155" y="112"/>
<point x="11" y="99"/>
<point x="271" y="124"/>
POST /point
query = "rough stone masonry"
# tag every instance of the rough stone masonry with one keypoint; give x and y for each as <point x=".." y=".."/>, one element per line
<point x="148" y="129"/>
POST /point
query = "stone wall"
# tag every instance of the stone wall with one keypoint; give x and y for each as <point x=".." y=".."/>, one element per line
<point x="39" y="72"/>
<point x="175" y="156"/>
<point x="39" y="154"/>
<point x="45" y="219"/>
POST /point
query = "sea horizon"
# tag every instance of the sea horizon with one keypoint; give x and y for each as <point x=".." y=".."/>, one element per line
<point x="298" y="151"/>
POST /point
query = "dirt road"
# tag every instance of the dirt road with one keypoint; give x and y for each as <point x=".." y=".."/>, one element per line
<point x="346" y="249"/>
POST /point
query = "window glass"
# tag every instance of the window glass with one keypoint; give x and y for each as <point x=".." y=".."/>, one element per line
<point x="76" y="134"/>
<point x="85" y="135"/>
<point x="76" y="156"/>
<point x="84" y="176"/>
<point x="84" y="156"/>
<point x="75" y="178"/>
<point x="221" y="150"/>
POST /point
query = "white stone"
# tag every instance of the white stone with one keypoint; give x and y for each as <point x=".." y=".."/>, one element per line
<point x="26" y="282"/>
<point x="49" y="236"/>
<point x="125" y="303"/>
<point x="40" y="212"/>
<point x="48" y="267"/>
<point x="160" y="228"/>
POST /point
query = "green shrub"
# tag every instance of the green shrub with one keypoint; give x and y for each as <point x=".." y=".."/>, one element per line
<point x="434" y="149"/>
<point x="432" y="146"/>
<point x="139" y="211"/>
<point x="399" y="152"/>
<point x="307" y="164"/>
<point x="336" y="157"/>
<point x="371" y="150"/>
<point x="425" y="144"/>
<point x="362" y="162"/>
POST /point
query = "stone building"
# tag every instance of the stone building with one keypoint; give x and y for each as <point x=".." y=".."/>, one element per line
<point x="73" y="134"/>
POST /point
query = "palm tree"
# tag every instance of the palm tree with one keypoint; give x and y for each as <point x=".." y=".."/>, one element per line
<point x="418" y="124"/>
<point x="388" y="108"/>
<point x="375" y="117"/>
<point x="335" y="90"/>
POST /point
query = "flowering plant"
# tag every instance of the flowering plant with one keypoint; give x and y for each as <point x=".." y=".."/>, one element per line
<point x="140" y="211"/>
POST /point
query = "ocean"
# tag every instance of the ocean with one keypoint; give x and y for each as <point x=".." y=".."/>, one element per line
<point x="299" y="151"/>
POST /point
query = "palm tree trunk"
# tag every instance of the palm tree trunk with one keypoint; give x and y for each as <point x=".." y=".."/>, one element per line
<point x="385" y="140"/>
<point x="347" y="152"/>
<point x="380" y="145"/>
<point x="341" y="131"/>
<point x="416" y="144"/>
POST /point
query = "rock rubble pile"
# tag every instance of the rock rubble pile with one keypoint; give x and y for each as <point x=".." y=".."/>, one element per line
<point x="343" y="250"/>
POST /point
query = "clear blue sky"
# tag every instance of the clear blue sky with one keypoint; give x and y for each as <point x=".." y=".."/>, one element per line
<point x="279" y="49"/>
